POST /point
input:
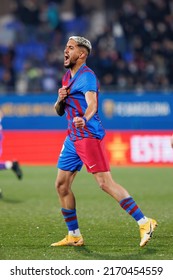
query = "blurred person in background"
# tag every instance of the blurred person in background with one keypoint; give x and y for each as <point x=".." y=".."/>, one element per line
<point x="139" y="42"/>
<point x="6" y="165"/>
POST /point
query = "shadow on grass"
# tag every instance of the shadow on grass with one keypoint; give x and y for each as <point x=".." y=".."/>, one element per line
<point x="143" y="254"/>
<point x="38" y="251"/>
<point x="10" y="200"/>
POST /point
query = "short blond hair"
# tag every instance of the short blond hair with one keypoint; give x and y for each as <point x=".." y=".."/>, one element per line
<point x="82" y="41"/>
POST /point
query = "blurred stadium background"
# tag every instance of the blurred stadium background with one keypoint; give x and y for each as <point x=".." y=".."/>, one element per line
<point x="132" y="56"/>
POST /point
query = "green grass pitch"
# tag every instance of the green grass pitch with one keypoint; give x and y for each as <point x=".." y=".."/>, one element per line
<point x="30" y="218"/>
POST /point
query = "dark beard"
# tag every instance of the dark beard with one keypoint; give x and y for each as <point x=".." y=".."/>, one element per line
<point x="70" y="65"/>
<point x="67" y="66"/>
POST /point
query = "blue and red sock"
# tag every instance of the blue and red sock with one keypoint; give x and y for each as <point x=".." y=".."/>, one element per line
<point x="130" y="206"/>
<point x="70" y="218"/>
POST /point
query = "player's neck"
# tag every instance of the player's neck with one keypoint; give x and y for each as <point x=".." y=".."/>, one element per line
<point x="75" y="68"/>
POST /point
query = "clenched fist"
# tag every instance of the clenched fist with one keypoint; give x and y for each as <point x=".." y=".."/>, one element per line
<point x="79" y="122"/>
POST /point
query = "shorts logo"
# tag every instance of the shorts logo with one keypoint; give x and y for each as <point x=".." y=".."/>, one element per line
<point x="92" y="166"/>
<point x="62" y="150"/>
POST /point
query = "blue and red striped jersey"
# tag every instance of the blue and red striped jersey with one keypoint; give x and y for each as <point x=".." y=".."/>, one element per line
<point x="84" y="80"/>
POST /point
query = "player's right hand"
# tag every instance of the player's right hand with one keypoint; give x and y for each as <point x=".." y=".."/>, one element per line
<point x="62" y="93"/>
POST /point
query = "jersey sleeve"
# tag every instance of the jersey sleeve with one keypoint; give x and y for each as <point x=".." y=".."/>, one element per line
<point x="88" y="82"/>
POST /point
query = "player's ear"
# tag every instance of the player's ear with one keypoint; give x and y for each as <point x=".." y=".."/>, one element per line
<point x="82" y="54"/>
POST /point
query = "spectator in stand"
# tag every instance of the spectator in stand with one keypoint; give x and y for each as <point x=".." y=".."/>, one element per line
<point x="28" y="13"/>
<point x="133" y="41"/>
<point x="8" y="75"/>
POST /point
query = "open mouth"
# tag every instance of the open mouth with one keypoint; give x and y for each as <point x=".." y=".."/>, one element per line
<point x="66" y="57"/>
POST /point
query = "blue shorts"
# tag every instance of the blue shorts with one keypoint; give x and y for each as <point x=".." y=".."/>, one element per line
<point x="68" y="158"/>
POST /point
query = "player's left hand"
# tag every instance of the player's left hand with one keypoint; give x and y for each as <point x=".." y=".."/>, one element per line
<point x="79" y="122"/>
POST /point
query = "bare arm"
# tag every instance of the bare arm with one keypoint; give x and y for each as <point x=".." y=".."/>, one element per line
<point x="91" y="99"/>
<point x="60" y="103"/>
<point x="59" y="107"/>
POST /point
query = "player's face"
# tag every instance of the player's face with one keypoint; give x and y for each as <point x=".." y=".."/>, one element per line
<point x="71" y="54"/>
